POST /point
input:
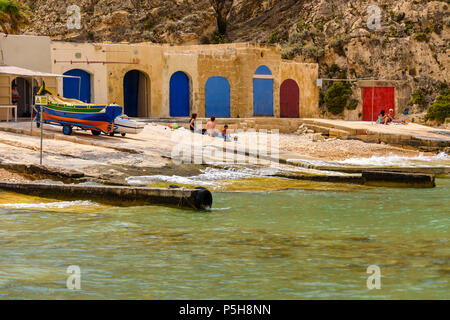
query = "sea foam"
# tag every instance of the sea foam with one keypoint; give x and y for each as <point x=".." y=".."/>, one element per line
<point x="49" y="205"/>
<point x="395" y="160"/>
<point x="206" y="178"/>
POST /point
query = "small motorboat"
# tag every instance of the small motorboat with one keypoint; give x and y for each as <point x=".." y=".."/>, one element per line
<point x="124" y="125"/>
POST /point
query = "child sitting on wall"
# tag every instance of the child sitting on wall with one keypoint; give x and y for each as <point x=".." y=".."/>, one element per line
<point x="224" y="133"/>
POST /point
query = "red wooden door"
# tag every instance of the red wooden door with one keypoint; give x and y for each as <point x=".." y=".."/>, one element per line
<point x="289" y="99"/>
<point x="383" y="99"/>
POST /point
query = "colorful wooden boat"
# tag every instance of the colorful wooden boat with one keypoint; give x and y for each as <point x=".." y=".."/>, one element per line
<point x="74" y="113"/>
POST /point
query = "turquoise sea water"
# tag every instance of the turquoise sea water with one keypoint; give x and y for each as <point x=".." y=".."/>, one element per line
<point x="276" y="245"/>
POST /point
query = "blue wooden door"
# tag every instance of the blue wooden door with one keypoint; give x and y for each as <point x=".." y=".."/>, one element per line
<point x="217" y="97"/>
<point x="130" y="93"/>
<point x="263" y="97"/>
<point x="179" y="95"/>
<point x="71" y="86"/>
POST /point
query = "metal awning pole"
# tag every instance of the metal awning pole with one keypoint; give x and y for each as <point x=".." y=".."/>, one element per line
<point x="41" y="117"/>
<point x="31" y="105"/>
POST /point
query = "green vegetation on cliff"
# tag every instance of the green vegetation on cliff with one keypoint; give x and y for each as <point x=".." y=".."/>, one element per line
<point x="440" y="109"/>
<point x="14" y="16"/>
<point x="337" y="96"/>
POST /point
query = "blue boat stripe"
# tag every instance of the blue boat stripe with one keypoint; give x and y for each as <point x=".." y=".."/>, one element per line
<point x="110" y="114"/>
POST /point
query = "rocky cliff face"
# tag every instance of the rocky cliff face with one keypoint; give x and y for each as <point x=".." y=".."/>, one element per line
<point x="410" y="44"/>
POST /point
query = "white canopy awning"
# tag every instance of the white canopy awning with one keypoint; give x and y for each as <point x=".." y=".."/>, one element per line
<point x="30" y="73"/>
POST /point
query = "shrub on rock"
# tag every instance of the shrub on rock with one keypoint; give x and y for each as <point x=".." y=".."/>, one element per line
<point x="337" y="96"/>
<point x="440" y="109"/>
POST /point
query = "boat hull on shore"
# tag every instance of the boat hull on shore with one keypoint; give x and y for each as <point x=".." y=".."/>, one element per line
<point x="100" y="118"/>
<point x="72" y="112"/>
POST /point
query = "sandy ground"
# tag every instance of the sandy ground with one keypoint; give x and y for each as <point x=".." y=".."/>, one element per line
<point x="302" y="145"/>
<point x="336" y="149"/>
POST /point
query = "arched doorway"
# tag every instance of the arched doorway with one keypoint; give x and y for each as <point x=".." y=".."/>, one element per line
<point x="289" y="99"/>
<point x="179" y="95"/>
<point x="263" y="92"/>
<point x="24" y="100"/>
<point x="136" y="93"/>
<point x="71" y="86"/>
<point x="217" y="97"/>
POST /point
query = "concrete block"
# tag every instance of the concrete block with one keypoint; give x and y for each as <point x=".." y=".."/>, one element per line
<point x="398" y="179"/>
<point x="319" y="129"/>
<point x="338" y="133"/>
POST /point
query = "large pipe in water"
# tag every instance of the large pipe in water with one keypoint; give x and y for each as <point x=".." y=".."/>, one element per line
<point x="198" y="199"/>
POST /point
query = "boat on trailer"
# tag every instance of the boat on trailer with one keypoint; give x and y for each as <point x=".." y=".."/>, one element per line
<point x="70" y="113"/>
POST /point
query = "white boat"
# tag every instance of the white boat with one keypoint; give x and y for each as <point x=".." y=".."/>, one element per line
<point x="126" y="125"/>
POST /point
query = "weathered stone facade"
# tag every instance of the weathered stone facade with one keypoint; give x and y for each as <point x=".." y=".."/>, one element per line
<point x="106" y="65"/>
<point x="109" y="63"/>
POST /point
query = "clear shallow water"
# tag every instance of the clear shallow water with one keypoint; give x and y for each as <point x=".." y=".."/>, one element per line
<point x="277" y="245"/>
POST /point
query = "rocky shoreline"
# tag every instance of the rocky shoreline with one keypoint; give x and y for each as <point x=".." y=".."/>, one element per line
<point x="9" y="176"/>
<point x="110" y="161"/>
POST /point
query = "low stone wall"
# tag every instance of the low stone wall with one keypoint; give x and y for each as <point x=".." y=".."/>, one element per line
<point x="422" y="143"/>
<point x="372" y="178"/>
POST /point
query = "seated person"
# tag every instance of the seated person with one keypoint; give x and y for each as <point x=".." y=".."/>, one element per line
<point x="224" y="132"/>
<point x="390" y="118"/>
<point x="211" y="127"/>
<point x="381" y="117"/>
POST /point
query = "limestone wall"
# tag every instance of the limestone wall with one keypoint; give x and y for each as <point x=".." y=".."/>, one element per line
<point x="157" y="63"/>
<point x="185" y="60"/>
<point x="29" y="52"/>
<point x="250" y="58"/>
<point x="145" y="58"/>
<point x="222" y="62"/>
<point x="305" y="74"/>
<point x="24" y="51"/>
<point x="85" y="56"/>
